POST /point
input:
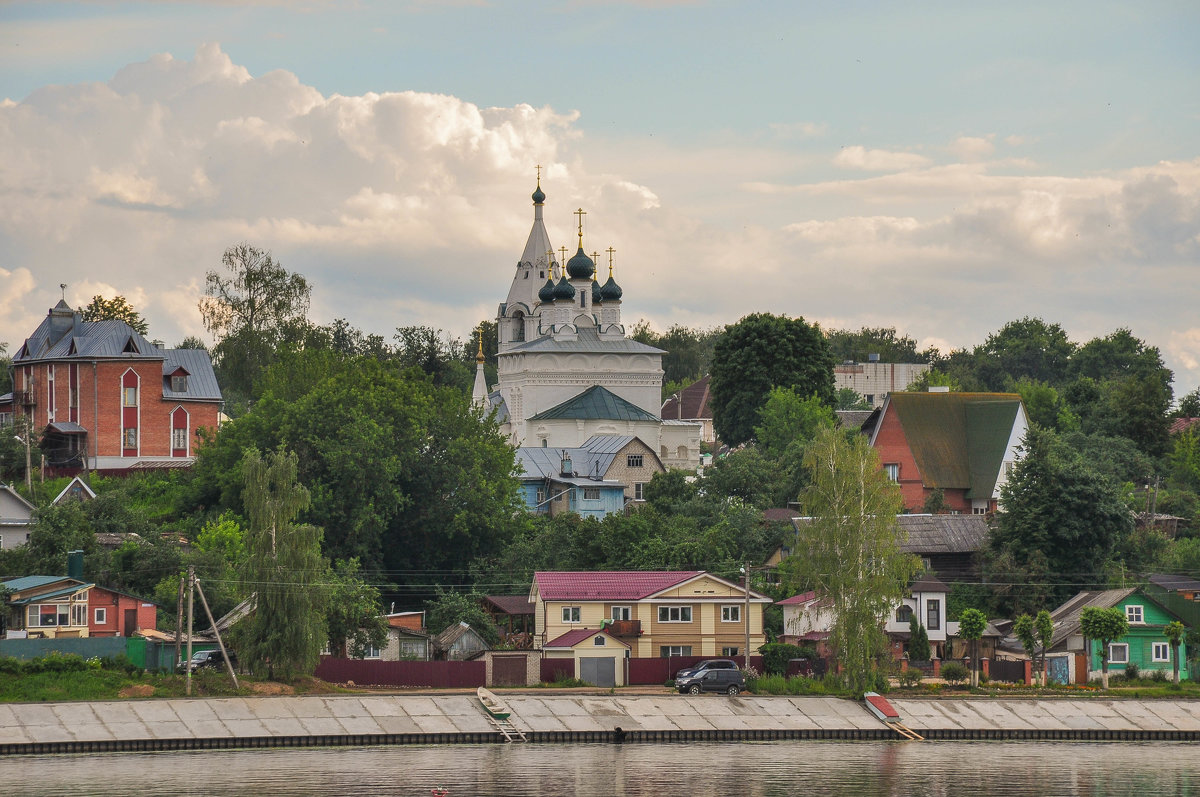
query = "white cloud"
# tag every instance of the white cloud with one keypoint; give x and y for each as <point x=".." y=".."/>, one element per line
<point x="973" y="148"/>
<point x="878" y="160"/>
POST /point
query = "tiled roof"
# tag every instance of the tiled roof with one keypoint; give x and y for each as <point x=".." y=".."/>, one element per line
<point x="689" y="403"/>
<point x="596" y="403"/>
<point x="611" y="585"/>
<point x="1178" y="426"/>
<point x="577" y="635"/>
<point x="511" y="604"/>
<point x="958" y="439"/>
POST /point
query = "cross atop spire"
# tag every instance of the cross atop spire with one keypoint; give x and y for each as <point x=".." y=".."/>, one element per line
<point x="610" y="251"/>
<point x="479" y="354"/>
<point x="581" y="213"/>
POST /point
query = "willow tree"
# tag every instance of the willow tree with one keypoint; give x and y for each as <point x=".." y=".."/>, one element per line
<point x="850" y="550"/>
<point x="283" y="567"/>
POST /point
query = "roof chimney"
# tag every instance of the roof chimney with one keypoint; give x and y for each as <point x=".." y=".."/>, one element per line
<point x="75" y="565"/>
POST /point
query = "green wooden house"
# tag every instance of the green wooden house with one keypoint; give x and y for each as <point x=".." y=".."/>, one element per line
<point x="1144" y="645"/>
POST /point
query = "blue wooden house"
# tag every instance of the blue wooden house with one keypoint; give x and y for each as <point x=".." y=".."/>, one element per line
<point x="593" y="480"/>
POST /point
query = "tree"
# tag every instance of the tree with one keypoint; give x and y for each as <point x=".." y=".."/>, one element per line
<point x="250" y="310"/>
<point x="353" y="620"/>
<point x="1058" y="515"/>
<point x="115" y="309"/>
<point x="789" y="420"/>
<point x="283" y="567"/>
<point x="1189" y="405"/>
<point x="1185" y="461"/>
<point x="850" y="399"/>
<point x="760" y="352"/>
<point x="1026" y="349"/>
<point x="852" y="548"/>
<point x="450" y="607"/>
<point x="1174" y="632"/>
<point x="1023" y="631"/>
<point x="971" y="625"/>
<point x="1104" y="626"/>
<point x="884" y="341"/>
<point x="1043" y="629"/>
<point x="689" y="352"/>
<point x="918" y="640"/>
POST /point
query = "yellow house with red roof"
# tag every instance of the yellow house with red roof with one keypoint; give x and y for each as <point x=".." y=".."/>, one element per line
<point x="655" y="613"/>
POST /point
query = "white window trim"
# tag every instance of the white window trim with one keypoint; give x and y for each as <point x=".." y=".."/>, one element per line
<point x="1166" y="648"/>
<point x="1112" y="651"/>
<point x="572" y="611"/>
<point x="731" y="609"/>
<point x="1138" y="609"/>
<point x="121" y="407"/>
<point x="891" y="468"/>
<point x="729" y="651"/>
<point x="101" y="615"/>
<point x="627" y="611"/>
<point x="187" y="431"/>
<point x="681" y="610"/>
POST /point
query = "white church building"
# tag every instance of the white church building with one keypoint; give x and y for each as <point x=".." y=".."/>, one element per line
<point x="566" y="371"/>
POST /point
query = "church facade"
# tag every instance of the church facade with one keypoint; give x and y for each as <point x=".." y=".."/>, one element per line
<point x="566" y="371"/>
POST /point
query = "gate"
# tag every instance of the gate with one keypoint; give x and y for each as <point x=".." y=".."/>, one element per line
<point x="1011" y="670"/>
<point x="1059" y="669"/>
<point x="508" y="671"/>
<point x="598" y="671"/>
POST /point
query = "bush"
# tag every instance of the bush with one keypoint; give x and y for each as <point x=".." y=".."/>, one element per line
<point x="955" y="672"/>
<point x="776" y="656"/>
<point x="1159" y="676"/>
<point x="10" y="665"/>
<point x="1132" y="671"/>
<point x="910" y="677"/>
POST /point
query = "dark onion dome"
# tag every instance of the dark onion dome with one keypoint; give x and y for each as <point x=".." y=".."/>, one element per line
<point x="581" y="266"/>
<point x="538" y="196"/>
<point x="596" y="297"/>
<point x="546" y="294"/>
<point x="611" y="292"/>
<point x="564" y="290"/>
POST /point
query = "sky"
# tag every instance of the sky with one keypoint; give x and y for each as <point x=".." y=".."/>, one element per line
<point x="940" y="168"/>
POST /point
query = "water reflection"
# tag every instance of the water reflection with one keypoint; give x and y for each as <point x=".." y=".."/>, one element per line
<point x="772" y="769"/>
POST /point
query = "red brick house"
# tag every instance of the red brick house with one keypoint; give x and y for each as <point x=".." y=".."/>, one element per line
<point x="964" y="444"/>
<point x="103" y="397"/>
<point x="115" y="613"/>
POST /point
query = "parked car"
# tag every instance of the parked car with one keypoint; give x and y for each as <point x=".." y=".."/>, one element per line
<point x="729" y="682"/>
<point x="689" y="675"/>
<point x="202" y="659"/>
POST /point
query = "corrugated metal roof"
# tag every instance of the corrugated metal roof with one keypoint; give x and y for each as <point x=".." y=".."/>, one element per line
<point x="620" y="585"/>
<point x="596" y="403"/>
<point x="28" y="582"/>
<point x="937" y="534"/>
<point x="1173" y="583"/>
<point x="1066" y="617"/>
<point x="589" y="463"/>
<point x="577" y="635"/>
<point x="588" y="340"/>
<point x="202" y="381"/>
<point x="54" y="593"/>
<point x="958" y="439"/>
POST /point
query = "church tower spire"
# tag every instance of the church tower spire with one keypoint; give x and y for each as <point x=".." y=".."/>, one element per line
<point x="479" y="393"/>
<point x="513" y="321"/>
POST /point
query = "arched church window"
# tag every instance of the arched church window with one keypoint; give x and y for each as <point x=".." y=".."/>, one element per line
<point x="518" y="326"/>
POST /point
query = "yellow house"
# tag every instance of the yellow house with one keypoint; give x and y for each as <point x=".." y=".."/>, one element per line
<point x="47" y="606"/>
<point x="656" y="613"/>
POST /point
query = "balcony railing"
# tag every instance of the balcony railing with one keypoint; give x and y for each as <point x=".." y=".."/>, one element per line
<point x="620" y="628"/>
<point x="26" y="398"/>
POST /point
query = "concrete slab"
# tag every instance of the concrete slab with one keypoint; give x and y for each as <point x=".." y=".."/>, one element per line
<point x="603" y="707"/>
<point x="796" y="722"/>
<point x="91" y="732"/>
<point x="155" y="712"/>
<point x="529" y="707"/>
<point x="321" y="726"/>
<point x="653" y="722"/>
<point x="246" y="728"/>
<point x="1173" y="716"/>
<point x="394" y="724"/>
<point x="581" y="722"/>
<point x="360" y="724"/>
<point x="694" y="722"/>
<point x="13" y="734"/>
<point x="194" y="711"/>
<point x="540" y="723"/>
<point x="429" y="723"/>
<point x="471" y="723"/>
<point x="383" y="707"/>
<point x="421" y="706"/>
<point x="116" y="713"/>
<point x="732" y="723"/>
<point x="964" y="715"/>
<point x="283" y="726"/>
<point x="170" y="730"/>
<point x="269" y="709"/>
<point x="210" y="729"/>
<point x="233" y="708"/>
<point x="127" y="730"/>
<point x="459" y="705"/>
<point x="48" y="733"/>
<point x="36" y="714"/>
<point x="345" y="707"/>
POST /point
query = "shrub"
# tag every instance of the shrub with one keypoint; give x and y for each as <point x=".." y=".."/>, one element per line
<point x="911" y="677"/>
<point x="1132" y="671"/>
<point x="768" y="685"/>
<point x="1159" y="676"/>
<point x="776" y="656"/>
<point x="955" y="672"/>
<point x="10" y="665"/>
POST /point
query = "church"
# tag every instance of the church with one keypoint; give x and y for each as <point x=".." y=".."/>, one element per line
<point x="566" y="371"/>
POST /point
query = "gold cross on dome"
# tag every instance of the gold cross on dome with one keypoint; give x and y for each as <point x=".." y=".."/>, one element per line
<point x="581" y="213"/>
<point x="610" y="251"/>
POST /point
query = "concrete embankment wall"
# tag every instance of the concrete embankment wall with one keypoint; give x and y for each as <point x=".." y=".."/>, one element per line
<point x="178" y="724"/>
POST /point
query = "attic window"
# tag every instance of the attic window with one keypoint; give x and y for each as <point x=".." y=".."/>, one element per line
<point x="130" y="347"/>
<point x="179" y="383"/>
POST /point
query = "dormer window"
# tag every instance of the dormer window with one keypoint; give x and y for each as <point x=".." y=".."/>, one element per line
<point x="179" y="383"/>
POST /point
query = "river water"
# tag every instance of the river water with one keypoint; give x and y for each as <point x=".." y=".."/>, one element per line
<point x="857" y="769"/>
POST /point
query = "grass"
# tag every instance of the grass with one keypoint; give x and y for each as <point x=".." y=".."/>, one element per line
<point x="797" y="685"/>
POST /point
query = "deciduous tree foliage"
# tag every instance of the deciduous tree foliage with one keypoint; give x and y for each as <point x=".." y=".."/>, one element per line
<point x="283" y="567"/>
<point x="1174" y="631"/>
<point x="117" y="308"/>
<point x="758" y="353"/>
<point x="971" y="625"/>
<point x="891" y="346"/>
<point x="1103" y="626"/>
<point x="851" y="548"/>
<point x="353" y="622"/>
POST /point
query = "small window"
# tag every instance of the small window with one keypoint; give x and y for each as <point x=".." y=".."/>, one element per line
<point x="179" y="384"/>
<point x="101" y="616"/>
<point x="620" y="612"/>
<point x="591" y="493"/>
<point x="1162" y="651"/>
<point x="1134" y="614"/>
<point x="870" y="398"/>
<point x="979" y="510"/>
<point x="674" y="614"/>
<point x="129" y="438"/>
<point x="933" y="610"/>
<point x="1118" y="653"/>
<point x="526" y="275"/>
<point x="731" y="614"/>
<point x="598" y="640"/>
<point x="541" y="496"/>
<point x="639" y="491"/>
<point x="570" y="614"/>
<point x="904" y="614"/>
<point x="78" y="614"/>
<point x="674" y="650"/>
<point x="729" y="651"/>
<point x="179" y="438"/>
<point x="372" y="652"/>
<point x="892" y="471"/>
<point x="129" y="396"/>
<point x="633" y="460"/>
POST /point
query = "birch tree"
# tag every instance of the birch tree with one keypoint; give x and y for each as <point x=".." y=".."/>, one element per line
<point x="850" y="551"/>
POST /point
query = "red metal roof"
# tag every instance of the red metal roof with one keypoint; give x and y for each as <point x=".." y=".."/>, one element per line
<point x="610" y="585"/>
<point x="577" y="635"/>
<point x="795" y="600"/>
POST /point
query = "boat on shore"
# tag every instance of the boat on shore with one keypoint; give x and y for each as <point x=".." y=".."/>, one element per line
<point x="492" y="704"/>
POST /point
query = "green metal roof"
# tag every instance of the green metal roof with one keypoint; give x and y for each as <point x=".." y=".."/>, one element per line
<point x="55" y="593"/>
<point x="596" y="403"/>
<point x="958" y="439"/>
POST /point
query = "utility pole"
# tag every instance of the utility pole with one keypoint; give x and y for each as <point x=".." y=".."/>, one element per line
<point x="191" y="592"/>
<point x="747" y="613"/>
<point x="217" y="631"/>
<point x="178" y="622"/>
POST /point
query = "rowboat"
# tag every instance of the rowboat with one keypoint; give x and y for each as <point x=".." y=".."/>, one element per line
<point x="492" y="704"/>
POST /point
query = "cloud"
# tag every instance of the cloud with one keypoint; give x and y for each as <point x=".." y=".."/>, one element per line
<point x="972" y="148"/>
<point x="878" y="160"/>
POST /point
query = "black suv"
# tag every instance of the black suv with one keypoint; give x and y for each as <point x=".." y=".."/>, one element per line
<point x="690" y="676"/>
<point x="202" y="659"/>
<point x="729" y="682"/>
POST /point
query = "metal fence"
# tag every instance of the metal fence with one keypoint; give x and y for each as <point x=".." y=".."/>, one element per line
<point x="557" y="670"/>
<point x="1007" y="670"/>
<point x="142" y="652"/>
<point x="371" y="672"/>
